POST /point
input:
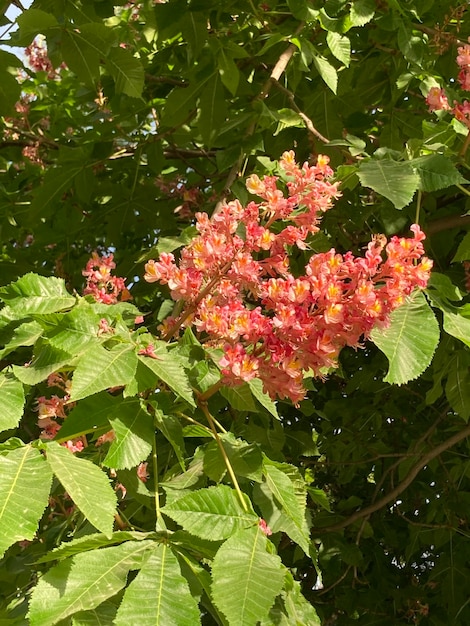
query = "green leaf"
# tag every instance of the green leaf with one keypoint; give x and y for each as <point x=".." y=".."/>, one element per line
<point x="37" y="294"/>
<point x="47" y="360"/>
<point x="458" y="384"/>
<point x="299" y="611"/>
<point x="239" y="397"/>
<point x="100" y="369"/>
<point x="12" y="394"/>
<point x="57" y="182"/>
<point x="90" y="415"/>
<point x="10" y="89"/>
<point x="283" y="490"/>
<point x="229" y="72"/>
<point x="171" y="428"/>
<point x="74" y="331"/>
<point x="340" y="47"/>
<point x="168" y="369"/>
<point x="159" y="594"/>
<point x="212" y="110"/>
<point x="84" y="47"/>
<point x="463" y="251"/>
<point x="86" y="484"/>
<point x="246" y="459"/>
<point x="256" y="387"/>
<point x="457" y="326"/>
<point x="25" y="482"/>
<point x="83" y="582"/>
<point x="24" y="335"/>
<point x="180" y="102"/>
<point x="31" y="23"/>
<point x="327" y="72"/>
<point x="395" y="180"/>
<point x="82" y="59"/>
<point x="246" y="577"/>
<point x="362" y="11"/>
<point x="436" y="172"/>
<point x="301" y="9"/>
<point x="92" y="542"/>
<point x="214" y="513"/>
<point x="410" y="341"/>
<point x="134" y="432"/>
<point x="105" y="613"/>
<point x="127" y="72"/>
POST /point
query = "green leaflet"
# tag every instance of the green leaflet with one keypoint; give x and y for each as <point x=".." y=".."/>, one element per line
<point x="127" y="72"/>
<point x="282" y="488"/>
<point x="134" y="431"/>
<point x="410" y="341"/>
<point x="86" y="484"/>
<point x="168" y="369"/>
<point x="214" y="513"/>
<point x="396" y="180"/>
<point x="47" y="359"/>
<point x="12" y="394"/>
<point x="36" y="294"/>
<point x="246" y="590"/>
<point x="100" y="369"/>
<point x="83" y="582"/>
<point x="159" y="594"/>
<point x="457" y="388"/>
<point x="25" y="482"/>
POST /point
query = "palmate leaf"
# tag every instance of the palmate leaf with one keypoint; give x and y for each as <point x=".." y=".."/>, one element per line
<point x="134" y="432"/>
<point x="83" y="582"/>
<point x="12" y="395"/>
<point x="214" y="513"/>
<point x="395" y="180"/>
<point x="246" y="578"/>
<point x="410" y="341"/>
<point x="86" y="484"/>
<point x="25" y="482"/>
<point x="159" y="594"/>
<point x="37" y="294"/>
<point x="100" y="369"/>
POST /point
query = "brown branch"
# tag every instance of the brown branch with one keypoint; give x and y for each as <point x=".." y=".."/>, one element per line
<point x="306" y="120"/>
<point x="276" y="73"/>
<point x="166" y="80"/>
<point x="447" y="223"/>
<point x="406" y="482"/>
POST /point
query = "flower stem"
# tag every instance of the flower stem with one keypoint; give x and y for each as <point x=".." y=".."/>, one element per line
<point x="158" y="513"/>
<point x="228" y="465"/>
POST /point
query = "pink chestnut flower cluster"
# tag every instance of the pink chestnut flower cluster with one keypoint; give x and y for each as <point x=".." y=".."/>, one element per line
<point x="101" y="284"/>
<point x="437" y="99"/>
<point x="239" y="293"/>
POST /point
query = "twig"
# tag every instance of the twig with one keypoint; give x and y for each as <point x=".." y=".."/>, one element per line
<point x="406" y="482"/>
<point x="307" y="121"/>
<point x="275" y="75"/>
<point x="228" y="465"/>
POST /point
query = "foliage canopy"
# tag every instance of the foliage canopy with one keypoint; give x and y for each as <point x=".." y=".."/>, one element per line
<point x="120" y="122"/>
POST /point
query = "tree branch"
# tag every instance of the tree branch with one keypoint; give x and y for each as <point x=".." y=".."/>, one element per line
<point x="306" y="120"/>
<point x="406" y="482"/>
